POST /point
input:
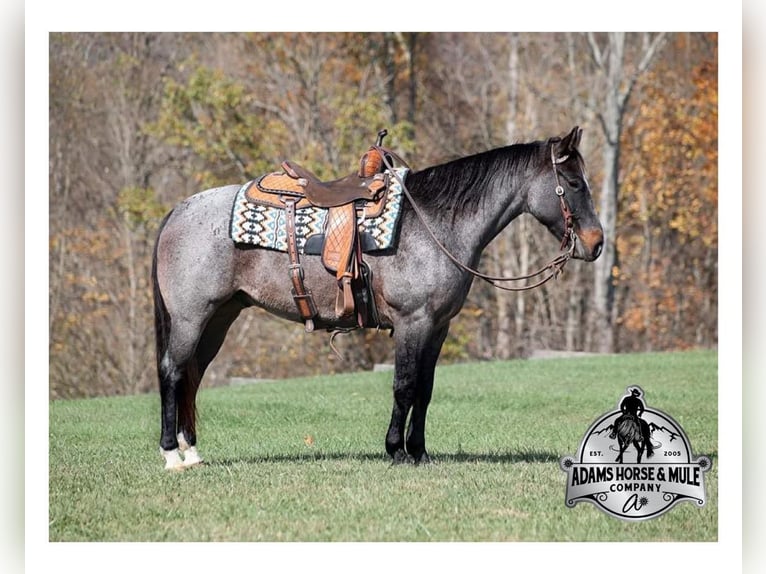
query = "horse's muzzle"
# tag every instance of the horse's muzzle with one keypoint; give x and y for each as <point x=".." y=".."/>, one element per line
<point x="590" y="243"/>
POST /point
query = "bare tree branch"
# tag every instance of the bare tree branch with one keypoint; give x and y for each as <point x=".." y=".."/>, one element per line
<point x="654" y="47"/>
<point x="595" y="51"/>
<point x="651" y="50"/>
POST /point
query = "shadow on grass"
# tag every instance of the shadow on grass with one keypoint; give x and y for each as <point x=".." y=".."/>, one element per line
<point x="439" y="457"/>
<point x="501" y="457"/>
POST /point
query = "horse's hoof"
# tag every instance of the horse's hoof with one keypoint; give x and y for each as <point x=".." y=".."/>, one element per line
<point x="173" y="459"/>
<point x="422" y="459"/>
<point x="401" y="457"/>
<point x="191" y="457"/>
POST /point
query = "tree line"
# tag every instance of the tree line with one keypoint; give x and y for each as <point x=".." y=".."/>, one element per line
<point x="139" y="121"/>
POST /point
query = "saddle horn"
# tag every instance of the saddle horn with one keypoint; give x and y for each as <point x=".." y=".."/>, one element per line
<point x="371" y="162"/>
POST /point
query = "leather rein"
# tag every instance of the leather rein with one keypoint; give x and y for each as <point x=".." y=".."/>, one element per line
<point x="553" y="268"/>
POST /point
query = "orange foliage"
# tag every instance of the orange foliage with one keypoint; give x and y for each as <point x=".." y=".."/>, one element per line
<point x="669" y="207"/>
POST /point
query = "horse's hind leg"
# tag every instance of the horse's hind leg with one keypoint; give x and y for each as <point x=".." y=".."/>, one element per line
<point x="622" y="450"/>
<point x="187" y="409"/>
<point x="639" y="449"/>
<point x="647" y="434"/>
<point x="207" y="348"/>
<point x="178" y="373"/>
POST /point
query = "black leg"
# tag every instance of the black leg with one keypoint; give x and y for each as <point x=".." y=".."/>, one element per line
<point x="209" y="344"/>
<point x="410" y="341"/>
<point x="177" y="371"/>
<point x="647" y="434"/>
<point x="170" y="376"/>
<point x="417" y="349"/>
<point x="416" y="437"/>
<point x="404" y="392"/>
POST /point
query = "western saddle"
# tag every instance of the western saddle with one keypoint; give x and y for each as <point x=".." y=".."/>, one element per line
<point x="363" y="193"/>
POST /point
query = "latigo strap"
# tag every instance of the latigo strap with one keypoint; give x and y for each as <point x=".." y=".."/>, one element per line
<point x="302" y="296"/>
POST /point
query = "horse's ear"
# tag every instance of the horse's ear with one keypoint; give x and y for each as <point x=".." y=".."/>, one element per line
<point x="568" y="144"/>
<point x="576" y="135"/>
<point x="572" y="140"/>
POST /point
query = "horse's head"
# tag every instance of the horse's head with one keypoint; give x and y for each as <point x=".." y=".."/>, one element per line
<point x="562" y="186"/>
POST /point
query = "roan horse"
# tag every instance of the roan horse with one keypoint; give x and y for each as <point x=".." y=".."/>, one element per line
<point x="202" y="280"/>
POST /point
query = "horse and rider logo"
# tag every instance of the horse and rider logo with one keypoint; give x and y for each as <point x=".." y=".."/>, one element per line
<point x="635" y="463"/>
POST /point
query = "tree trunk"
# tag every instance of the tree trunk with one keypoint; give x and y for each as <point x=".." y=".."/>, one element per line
<point x="574" y="311"/>
<point x="610" y="63"/>
<point x="604" y="286"/>
<point x="413" y="99"/>
<point x="390" y="66"/>
<point x="504" y="249"/>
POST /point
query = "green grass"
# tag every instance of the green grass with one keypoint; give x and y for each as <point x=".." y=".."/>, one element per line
<point x="497" y="431"/>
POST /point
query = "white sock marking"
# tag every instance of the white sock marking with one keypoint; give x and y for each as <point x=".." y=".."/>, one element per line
<point x="172" y="458"/>
<point x="182" y="444"/>
<point x="191" y="457"/>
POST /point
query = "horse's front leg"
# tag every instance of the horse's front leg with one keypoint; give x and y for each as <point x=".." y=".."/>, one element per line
<point x="416" y="431"/>
<point x="412" y="340"/>
<point x="639" y="450"/>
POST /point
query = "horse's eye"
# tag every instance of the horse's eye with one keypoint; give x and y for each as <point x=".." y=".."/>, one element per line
<point x="575" y="184"/>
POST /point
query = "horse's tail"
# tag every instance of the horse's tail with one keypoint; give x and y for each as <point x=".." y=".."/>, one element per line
<point x="189" y="382"/>
<point x="629" y="428"/>
<point x="161" y="315"/>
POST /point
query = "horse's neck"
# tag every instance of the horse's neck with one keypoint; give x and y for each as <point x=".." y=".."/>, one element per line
<point x="504" y="200"/>
<point x="468" y="231"/>
<point x="510" y="202"/>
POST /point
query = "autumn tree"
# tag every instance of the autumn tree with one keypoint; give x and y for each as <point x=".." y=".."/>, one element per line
<point x="617" y="80"/>
<point x="669" y="204"/>
<point x="104" y="211"/>
<point x="140" y="121"/>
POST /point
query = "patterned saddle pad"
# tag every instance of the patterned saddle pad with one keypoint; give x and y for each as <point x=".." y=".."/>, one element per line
<point x="264" y="225"/>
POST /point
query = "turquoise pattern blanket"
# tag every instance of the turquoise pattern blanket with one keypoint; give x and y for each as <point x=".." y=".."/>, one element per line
<point x="265" y="227"/>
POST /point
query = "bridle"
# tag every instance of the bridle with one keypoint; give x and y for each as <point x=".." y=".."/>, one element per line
<point x="569" y="234"/>
<point x="553" y="268"/>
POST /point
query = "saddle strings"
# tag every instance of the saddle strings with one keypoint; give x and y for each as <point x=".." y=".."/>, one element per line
<point x="556" y="265"/>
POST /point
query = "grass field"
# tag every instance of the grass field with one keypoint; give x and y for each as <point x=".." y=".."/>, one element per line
<point x="303" y="459"/>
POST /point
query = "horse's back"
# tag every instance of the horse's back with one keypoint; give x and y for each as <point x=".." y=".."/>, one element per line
<point x="199" y="266"/>
<point x="212" y="206"/>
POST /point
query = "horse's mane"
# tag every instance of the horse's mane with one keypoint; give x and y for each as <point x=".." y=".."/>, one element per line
<point x="459" y="185"/>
